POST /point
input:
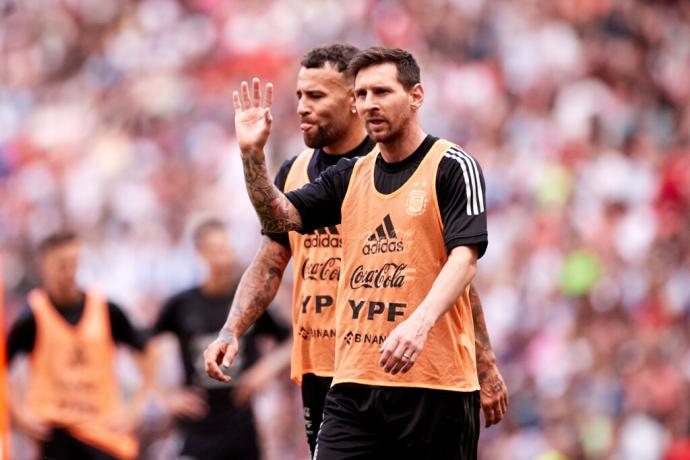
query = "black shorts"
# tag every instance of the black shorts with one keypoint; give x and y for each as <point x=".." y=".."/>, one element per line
<point x="227" y="432"/>
<point x="363" y="422"/>
<point x="314" y="390"/>
<point x="64" y="446"/>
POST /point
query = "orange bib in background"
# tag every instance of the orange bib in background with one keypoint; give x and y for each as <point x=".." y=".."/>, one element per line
<point x="73" y="383"/>
<point x="4" y="416"/>
<point x="316" y="258"/>
<point x="393" y="250"/>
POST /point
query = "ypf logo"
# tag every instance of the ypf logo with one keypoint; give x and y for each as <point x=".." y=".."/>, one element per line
<point x="383" y="239"/>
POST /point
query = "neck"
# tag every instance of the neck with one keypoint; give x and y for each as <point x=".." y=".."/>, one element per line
<point x="216" y="284"/>
<point x="404" y="145"/>
<point x="349" y="141"/>
<point x="65" y="296"/>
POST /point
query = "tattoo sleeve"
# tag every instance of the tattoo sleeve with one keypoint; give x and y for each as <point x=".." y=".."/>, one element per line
<point x="484" y="352"/>
<point x="275" y="211"/>
<point x="257" y="288"/>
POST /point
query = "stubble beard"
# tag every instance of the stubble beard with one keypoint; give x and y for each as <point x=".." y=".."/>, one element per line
<point x="324" y="136"/>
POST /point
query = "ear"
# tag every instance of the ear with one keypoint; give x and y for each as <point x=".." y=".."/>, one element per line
<point x="416" y="96"/>
<point x="351" y="100"/>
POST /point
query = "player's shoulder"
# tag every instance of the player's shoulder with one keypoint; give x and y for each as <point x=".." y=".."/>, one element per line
<point x="287" y="165"/>
<point x="115" y="308"/>
<point x="456" y="157"/>
<point x="24" y="317"/>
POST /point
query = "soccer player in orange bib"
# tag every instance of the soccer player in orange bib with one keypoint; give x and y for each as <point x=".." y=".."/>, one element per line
<point x="73" y="401"/>
<point x="384" y="239"/>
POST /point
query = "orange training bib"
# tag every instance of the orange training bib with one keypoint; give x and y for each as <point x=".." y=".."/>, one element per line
<point x="393" y="250"/>
<point x="316" y="258"/>
<point x="73" y="384"/>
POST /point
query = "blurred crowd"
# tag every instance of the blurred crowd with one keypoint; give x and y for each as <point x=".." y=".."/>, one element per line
<point x="116" y="120"/>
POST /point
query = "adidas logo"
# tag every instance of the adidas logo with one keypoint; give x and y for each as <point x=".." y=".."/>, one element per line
<point x="327" y="237"/>
<point x="383" y="240"/>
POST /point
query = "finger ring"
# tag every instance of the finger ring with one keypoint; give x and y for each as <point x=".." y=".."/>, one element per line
<point x="406" y="356"/>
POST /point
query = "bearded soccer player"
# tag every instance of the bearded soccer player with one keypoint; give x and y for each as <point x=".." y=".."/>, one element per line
<point x="72" y="404"/>
<point x="324" y="92"/>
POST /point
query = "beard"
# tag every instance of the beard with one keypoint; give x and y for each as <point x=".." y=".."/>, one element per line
<point x="324" y="136"/>
<point x="384" y="136"/>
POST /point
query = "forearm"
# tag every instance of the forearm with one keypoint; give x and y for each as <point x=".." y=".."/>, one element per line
<point x="275" y="211"/>
<point x="257" y="288"/>
<point x="453" y="279"/>
<point x="482" y="344"/>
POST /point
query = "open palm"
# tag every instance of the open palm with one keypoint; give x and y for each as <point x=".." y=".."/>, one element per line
<point x="252" y="117"/>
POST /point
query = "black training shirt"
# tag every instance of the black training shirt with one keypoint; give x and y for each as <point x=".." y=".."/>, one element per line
<point x="458" y="176"/>
<point x="319" y="162"/>
<point x="195" y="318"/>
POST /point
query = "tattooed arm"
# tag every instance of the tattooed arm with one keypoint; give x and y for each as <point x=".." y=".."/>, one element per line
<point x="252" y="127"/>
<point x="493" y="391"/>
<point x="256" y="290"/>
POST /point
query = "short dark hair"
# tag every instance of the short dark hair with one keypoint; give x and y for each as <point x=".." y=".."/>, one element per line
<point x="205" y="227"/>
<point x="338" y="55"/>
<point x="55" y="240"/>
<point x="408" y="69"/>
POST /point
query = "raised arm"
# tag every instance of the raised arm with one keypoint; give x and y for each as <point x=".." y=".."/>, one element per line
<point x="252" y="127"/>
<point x="493" y="391"/>
<point x="257" y="288"/>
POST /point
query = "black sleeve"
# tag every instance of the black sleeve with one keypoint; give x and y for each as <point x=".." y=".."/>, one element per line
<point x="267" y="325"/>
<point x="22" y="335"/>
<point x="461" y="198"/>
<point x="319" y="201"/>
<point x="279" y="181"/>
<point x="122" y="330"/>
<point x="167" y="319"/>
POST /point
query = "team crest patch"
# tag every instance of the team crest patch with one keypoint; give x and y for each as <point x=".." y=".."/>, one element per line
<point x="416" y="202"/>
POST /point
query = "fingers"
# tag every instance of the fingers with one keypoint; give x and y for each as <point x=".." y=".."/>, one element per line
<point x="268" y="100"/>
<point x="230" y="354"/>
<point x="237" y="105"/>
<point x="398" y="356"/>
<point x="244" y="93"/>
<point x="387" y="349"/>
<point x="494" y="411"/>
<point x="211" y="359"/>
<point x="256" y="92"/>
<point x="241" y="101"/>
<point x="397" y="362"/>
<point x="409" y="362"/>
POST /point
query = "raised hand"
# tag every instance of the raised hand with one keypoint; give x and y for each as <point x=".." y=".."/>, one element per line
<point x="252" y="116"/>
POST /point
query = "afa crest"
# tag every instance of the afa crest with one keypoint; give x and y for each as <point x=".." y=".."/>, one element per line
<point x="416" y="202"/>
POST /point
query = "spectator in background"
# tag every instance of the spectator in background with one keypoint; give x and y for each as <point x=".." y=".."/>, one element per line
<point x="72" y="405"/>
<point x="216" y="422"/>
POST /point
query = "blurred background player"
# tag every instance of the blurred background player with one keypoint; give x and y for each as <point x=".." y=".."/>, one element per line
<point x="72" y="405"/>
<point x="330" y="125"/>
<point x="216" y="422"/>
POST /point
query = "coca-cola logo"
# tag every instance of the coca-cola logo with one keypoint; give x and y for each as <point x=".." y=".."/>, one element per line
<point x="390" y="275"/>
<point x="328" y="270"/>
